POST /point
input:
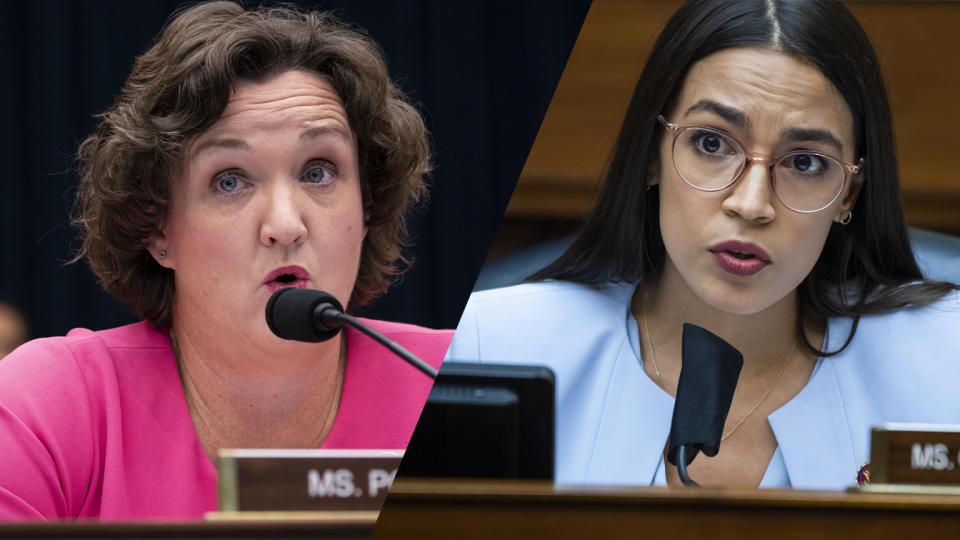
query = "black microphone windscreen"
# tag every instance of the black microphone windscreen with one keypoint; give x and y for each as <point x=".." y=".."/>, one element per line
<point x="708" y="377"/>
<point x="290" y="314"/>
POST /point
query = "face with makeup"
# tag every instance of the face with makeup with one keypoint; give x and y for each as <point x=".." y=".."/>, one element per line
<point x="268" y="197"/>
<point x="740" y="249"/>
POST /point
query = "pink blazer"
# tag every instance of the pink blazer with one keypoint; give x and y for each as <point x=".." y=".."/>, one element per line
<point x="95" y="424"/>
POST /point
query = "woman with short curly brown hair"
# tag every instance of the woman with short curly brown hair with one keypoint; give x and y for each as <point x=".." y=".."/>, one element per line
<point x="179" y="89"/>
<point x="248" y="151"/>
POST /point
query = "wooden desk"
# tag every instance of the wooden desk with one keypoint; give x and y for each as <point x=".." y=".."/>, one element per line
<point x="533" y="510"/>
<point x="319" y="529"/>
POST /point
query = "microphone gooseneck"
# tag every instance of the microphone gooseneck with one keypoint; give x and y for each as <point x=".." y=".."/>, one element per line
<point x="682" y="466"/>
<point x="708" y="377"/>
<point x="313" y="316"/>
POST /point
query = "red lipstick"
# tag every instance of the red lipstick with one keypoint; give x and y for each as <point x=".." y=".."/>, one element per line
<point x="287" y="276"/>
<point x="740" y="258"/>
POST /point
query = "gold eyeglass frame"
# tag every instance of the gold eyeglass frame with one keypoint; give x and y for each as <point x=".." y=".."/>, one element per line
<point x="849" y="169"/>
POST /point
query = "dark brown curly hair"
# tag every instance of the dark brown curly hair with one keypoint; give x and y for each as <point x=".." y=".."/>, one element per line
<point x="180" y="87"/>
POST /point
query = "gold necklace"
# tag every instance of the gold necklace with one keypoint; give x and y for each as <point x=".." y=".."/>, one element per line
<point x="656" y="369"/>
<point x="783" y="367"/>
<point x="338" y="392"/>
<point x="646" y="334"/>
<point x="334" y="402"/>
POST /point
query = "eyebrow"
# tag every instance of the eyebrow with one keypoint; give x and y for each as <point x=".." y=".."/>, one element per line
<point x="811" y="135"/>
<point x="234" y="143"/>
<point x="321" y="131"/>
<point x="729" y="114"/>
<point x="740" y="120"/>
<point x="225" y="142"/>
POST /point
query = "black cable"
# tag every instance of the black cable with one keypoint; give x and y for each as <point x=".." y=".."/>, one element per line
<point x="381" y="339"/>
<point x="682" y="466"/>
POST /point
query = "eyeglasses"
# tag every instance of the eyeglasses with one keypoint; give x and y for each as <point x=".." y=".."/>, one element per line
<point x="710" y="160"/>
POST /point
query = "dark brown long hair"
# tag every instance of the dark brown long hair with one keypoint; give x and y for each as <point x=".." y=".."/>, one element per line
<point x="866" y="267"/>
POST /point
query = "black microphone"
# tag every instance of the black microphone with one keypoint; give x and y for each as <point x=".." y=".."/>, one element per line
<point x="314" y="316"/>
<point x="303" y="314"/>
<point x="708" y="376"/>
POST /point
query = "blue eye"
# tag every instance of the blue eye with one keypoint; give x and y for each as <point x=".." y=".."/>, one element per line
<point x="318" y="175"/>
<point x="228" y="184"/>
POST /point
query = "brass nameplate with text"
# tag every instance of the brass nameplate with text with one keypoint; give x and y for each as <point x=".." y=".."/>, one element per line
<point x="312" y="480"/>
<point x="916" y="454"/>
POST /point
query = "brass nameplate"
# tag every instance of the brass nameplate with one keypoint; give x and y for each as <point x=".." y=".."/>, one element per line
<point x="312" y="480"/>
<point x="915" y="454"/>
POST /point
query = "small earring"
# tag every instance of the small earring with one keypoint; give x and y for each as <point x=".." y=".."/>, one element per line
<point x="163" y="254"/>
<point x="845" y="217"/>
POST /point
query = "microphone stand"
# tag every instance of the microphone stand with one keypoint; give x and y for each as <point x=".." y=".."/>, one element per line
<point x="330" y="316"/>
<point x="708" y="377"/>
<point x="314" y="316"/>
<point x="682" y="466"/>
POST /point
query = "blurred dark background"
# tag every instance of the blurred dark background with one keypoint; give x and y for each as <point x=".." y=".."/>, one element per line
<point x="482" y="74"/>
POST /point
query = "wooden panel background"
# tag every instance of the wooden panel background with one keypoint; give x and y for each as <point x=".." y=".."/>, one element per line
<point x="919" y="51"/>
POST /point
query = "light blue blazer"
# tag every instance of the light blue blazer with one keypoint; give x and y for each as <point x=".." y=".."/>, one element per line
<point x="613" y="421"/>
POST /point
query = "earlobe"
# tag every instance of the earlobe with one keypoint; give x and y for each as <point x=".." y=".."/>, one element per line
<point x="844" y="217"/>
<point x="158" y="249"/>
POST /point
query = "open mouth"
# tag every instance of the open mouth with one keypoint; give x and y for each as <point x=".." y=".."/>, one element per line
<point x="286" y="278"/>
<point x="742" y="255"/>
<point x="741" y="251"/>
<point x="740" y="258"/>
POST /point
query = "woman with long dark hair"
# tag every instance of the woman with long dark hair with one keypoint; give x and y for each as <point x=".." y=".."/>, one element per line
<point x="754" y="192"/>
